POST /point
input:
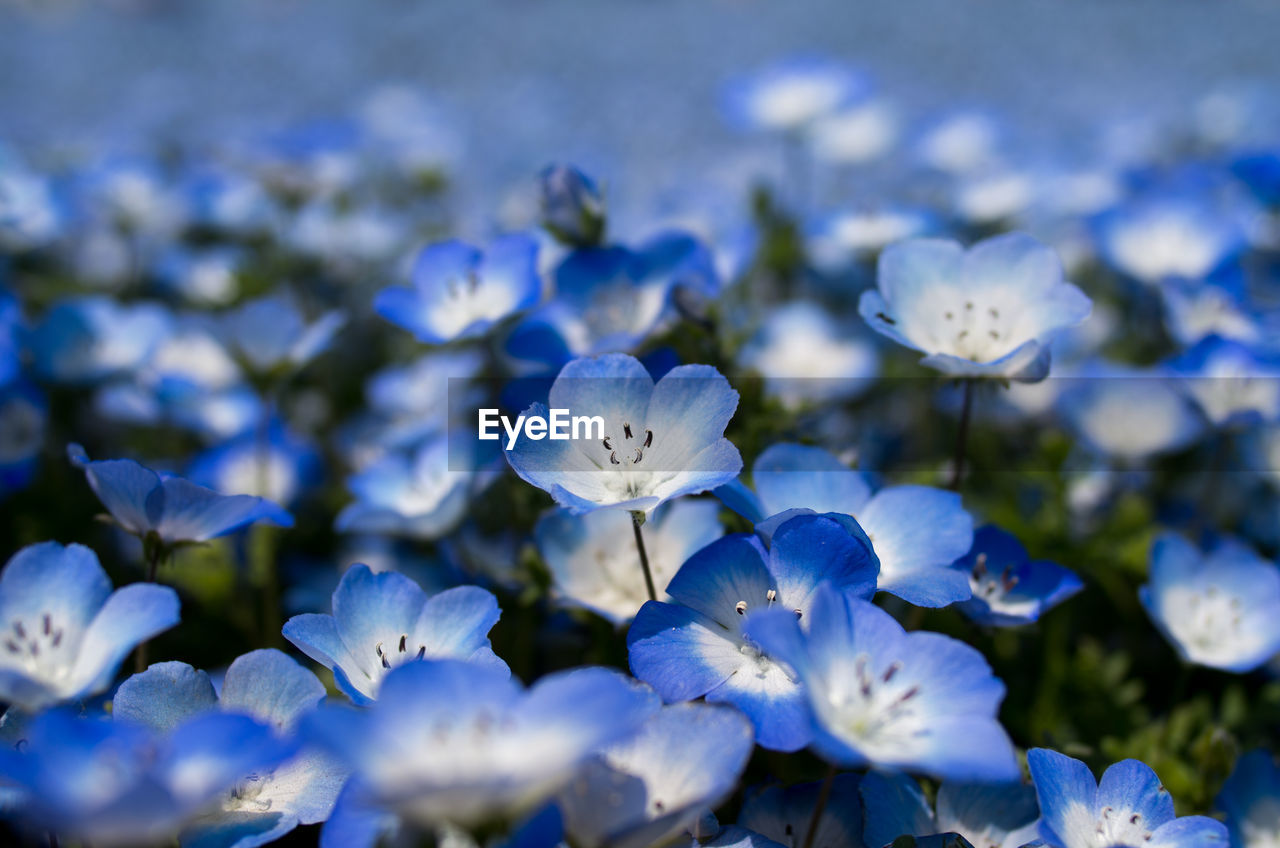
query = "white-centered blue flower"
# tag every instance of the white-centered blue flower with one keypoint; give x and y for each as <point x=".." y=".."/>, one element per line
<point x="593" y="562"/>
<point x="464" y="744"/>
<point x="1169" y="236"/>
<point x="1233" y="385"/>
<point x="278" y="465"/>
<point x="88" y="339"/>
<point x="1128" y="414"/>
<point x="413" y="494"/>
<point x="64" y="632"/>
<point x="806" y="357"/>
<point x="915" y="565"/>
<point x="460" y="292"/>
<point x="880" y="696"/>
<point x="1251" y="799"/>
<point x="989" y="311"/>
<point x="270" y="687"/>
<point x="697" y="646"/>
<point x="384" y="620"/>
<point x="171" y="510"/>
<point x="1218" y="608"/>
<point x="1128" y="808"/>
<point x="645" y="791"/>
<point x="271" y="333"/>
<point x="1009" y="588"/>
<point x="660" y="440"/>
<point x="791" y="94"/>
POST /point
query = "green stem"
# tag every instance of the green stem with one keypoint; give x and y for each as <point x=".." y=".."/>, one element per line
<point x="637" y="518"/>
<point x="153" y="551"/>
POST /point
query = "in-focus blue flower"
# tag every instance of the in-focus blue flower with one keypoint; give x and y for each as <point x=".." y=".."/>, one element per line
<point x="416" y="495"/>
<point x="612" y="298"/>
<point x="271" y="334"/>
<point x="1128" y="807"/>
<point x="806" y="357"/>
<point x="1010" y="588"/>
<point x="24" y="413"/>
<point x="697" y="646"/>
<point x="459" y="743"/>
<point x="1218" y="608"/>
<point x="270" y="687"/>
<point x="382" y="621"/>
<point x="1170" y="236"/>
<point x="593" y="563"/>
<point x="573" y="208"/>
<point x="1128" y="414"/>
<point x="88" y="339"/>
<point x="914" y="565"/>
<point x="660" y="441"/>
<point x="120" y="783"/>
<point x="279" y="467"/>
<point x="877" y="695"/>
<point x="170" y="510"/>
<point x="1233" y="385"/>
<point x="783" y="813"/>
<point x="989" y="311"/>
<point x="1250" y="798"/>
<point x="791" y="94"/>
<point x="644" y="791"/>
<point x="460" y="292"/>
<point x="65" y="632"/>
<point x="993" y="815"/>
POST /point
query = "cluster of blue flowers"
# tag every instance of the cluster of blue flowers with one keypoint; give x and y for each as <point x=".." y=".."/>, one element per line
<point x="785" y="597"/>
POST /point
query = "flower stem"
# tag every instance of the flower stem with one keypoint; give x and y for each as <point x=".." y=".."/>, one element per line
<point x="154" y="551"/>
<point x="637" y="518"/>
<point x="962" y="437"/>
<point x="824" y="795"/>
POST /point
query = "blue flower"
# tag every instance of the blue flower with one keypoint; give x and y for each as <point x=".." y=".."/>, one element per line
<point x="660" y="441"/>
<point x="275" y="690"/>
<point x="170" y="510"/>
<point x="1128" y="807"/>
<point x="279" y="467"/>
<point x="271" y="334"/>
<point x="417" y="495"/>
<point x="877" y="695"/>
<point x="593" y="564"/>
<point x="613" y="298"/>
<point x="459" y="743"/>
<point x="573" y="208"/>
<point x="119" y="783"/>
<point x="1250" y="798"/>
<point x="24" y="414"/>
<point x="10" y="340"/>
<point x="460" y="292"/>
<point x="1000" y="815"/>
<point x="783" y="813"/>
<point x="915" y="566"/>
<point x="85" y="340"/>
<point x="989" y="311"/>
<point x="1233" y="385"/>
<point x="807" y="358"/>
<point x="1171" y="235"/>
<point x="1010" y="588"/>
<point x="1128" y="414"/>
<point x="644" y="791"/>
<point x="1217" y="609"/>
<point x="65" y="631"/>
<point x="382" y="621"/>
<point x="791" y="94"/>
<point x="697" y="646"/>
<point x="1216" y="307"/>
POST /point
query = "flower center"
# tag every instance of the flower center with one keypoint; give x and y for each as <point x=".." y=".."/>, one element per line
<point x="400" y="655"/>
<point x="629" y="450"/>
<point x="878" y="702"/>
<point x="988" y="585"/>
<point x="36" y="644"/>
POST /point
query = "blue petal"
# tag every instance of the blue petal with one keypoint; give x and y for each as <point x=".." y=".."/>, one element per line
<point x="1191" y="832"/>
<point x="271" y="687"/>
<point x="66" y="582"/>
<point x="681" y="653"/>
<point x="895" y="518"/>
<point x="456" y="622"/>
<point x="716" y="578"/>
<point x="164" y="696"/>
<point x="774" y="700"/>
<point x="895" y="807"/>
<point x="123" y="487"/>
<point x="196" y="514"/>
<point x="789" y="476"/>
<point x="130" y="616"/>
<point x="1062" y="785"/>
<point x="808" y="550"/>
<point x="1132" y="787"/>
